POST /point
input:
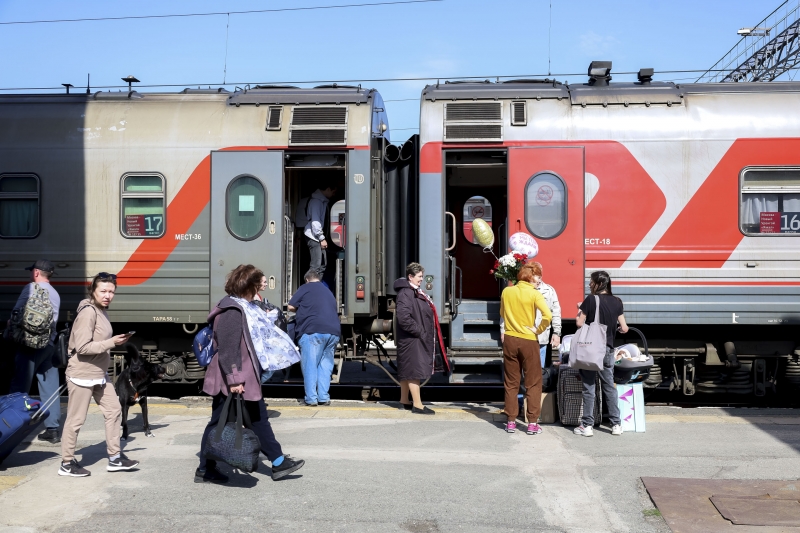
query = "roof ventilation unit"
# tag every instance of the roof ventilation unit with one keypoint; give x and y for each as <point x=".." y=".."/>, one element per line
<point x="318" y="125"/>
<point x="474" y="121"/>
<point x="600" y="73"/>
<point x="274" y="117"/>
<point x="645" y="76"/>
<point x="519" y="114"/>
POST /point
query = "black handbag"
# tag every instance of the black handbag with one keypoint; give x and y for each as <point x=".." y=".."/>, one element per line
<point x="234" y="443"/>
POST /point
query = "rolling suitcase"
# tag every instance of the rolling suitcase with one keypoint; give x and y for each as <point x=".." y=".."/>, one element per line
<point x="19" y="416"/>
<point x="570" y="398"/>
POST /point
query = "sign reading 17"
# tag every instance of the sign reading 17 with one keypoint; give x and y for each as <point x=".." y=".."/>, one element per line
<point x="152" y="224"/>
<point x="790" y="222"/>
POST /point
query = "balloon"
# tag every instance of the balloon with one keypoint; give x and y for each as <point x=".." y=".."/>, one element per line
<point x="482" y="233"/>
<point x="524" y="244"/>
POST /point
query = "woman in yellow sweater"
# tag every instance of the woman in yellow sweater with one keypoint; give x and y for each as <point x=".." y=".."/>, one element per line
<point x="518" y="305"/>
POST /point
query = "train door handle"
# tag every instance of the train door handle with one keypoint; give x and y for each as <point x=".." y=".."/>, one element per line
<point x="271" y="283"/>
<point x="454" y="231"/>
<point x="571" y="261"/>
<point x="519" y="225"/>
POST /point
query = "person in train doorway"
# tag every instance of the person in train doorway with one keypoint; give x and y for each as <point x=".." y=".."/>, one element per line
<point x="551" y="299"/>
<point x="318" y="329"/>
<point x="314" y="210"/>
<point x="90" y="342"/>
<point x="611" y="315"/>
<point x="419" y="338"/>
<point x="39" y="362"/>
<point x="519" y="305"/>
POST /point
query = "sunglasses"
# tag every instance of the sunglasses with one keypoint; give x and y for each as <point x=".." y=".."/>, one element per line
<point x="106" y="275"/>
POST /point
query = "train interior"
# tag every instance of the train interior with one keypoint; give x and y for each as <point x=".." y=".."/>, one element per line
<point x="304" y="173"/>
<point x="476" y="187"/>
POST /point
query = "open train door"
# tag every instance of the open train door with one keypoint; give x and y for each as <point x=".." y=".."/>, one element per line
<point x="247" y="218"/>
<point x="546" y="200"/>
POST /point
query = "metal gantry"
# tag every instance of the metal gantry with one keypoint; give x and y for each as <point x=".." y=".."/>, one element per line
<point x="768" y="50"/>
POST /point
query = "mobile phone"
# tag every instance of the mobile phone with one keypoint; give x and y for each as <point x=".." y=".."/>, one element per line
<point x="130" y="333"/>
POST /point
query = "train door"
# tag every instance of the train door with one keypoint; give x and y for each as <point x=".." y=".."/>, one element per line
<point x="247" y="218"/>
<point x="546" y="200"/>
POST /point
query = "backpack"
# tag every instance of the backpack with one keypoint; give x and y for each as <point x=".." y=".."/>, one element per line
<point x="61" y="354"/>
<point x="301" y="214"/>
<point x="203" y="346"/>
<point x="31" y="325"/>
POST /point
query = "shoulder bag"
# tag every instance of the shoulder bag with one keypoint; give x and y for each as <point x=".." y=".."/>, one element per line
<point x="588" y="349"/>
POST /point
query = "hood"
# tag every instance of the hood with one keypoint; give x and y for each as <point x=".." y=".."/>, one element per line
<point x="226" y="303"/>
<point x="319" y="196"/>
<point x="402" y="283"/>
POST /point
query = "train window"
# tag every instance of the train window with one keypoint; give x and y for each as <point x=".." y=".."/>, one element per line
<point x="143" y="211"/>
<point x="546" y="205"/>
<point x="338" y="223"/>
<point x="19" y="206"/>
<point x="245" y="208"/>
<point x="770" y="201"/>
<point x="476" y="207"/>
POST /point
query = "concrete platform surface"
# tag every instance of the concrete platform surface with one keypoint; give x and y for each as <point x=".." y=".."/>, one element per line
<point x="373" y="467"/>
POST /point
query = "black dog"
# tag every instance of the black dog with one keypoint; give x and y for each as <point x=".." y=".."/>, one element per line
<point x="132" y="385"/>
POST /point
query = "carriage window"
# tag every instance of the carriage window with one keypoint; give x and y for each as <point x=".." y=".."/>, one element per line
<point x="338" y="223"/>
<point x="770" y="201"/>
<point x="143" y="211"/>
<point x="546" y="206"/>
<point x="245" y="210"/>
<point x="19" y="206"/>
<point x="476" y="207"/>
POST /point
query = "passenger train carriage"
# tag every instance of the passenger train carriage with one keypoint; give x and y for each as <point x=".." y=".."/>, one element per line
<point x="688" y="194"/>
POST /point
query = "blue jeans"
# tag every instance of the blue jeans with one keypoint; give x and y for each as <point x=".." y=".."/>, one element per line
<point x="543" y="354"/>
<point x="40" y="362"/>
<point x="316" y="360"/>
<point x="609" y="391"/>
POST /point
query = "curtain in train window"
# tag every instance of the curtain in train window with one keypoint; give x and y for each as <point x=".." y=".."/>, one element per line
<point x="246" y="203"/>
<point x="546" y="205"/>
<point x="143" y="209"/>
<point x="770" y="201"/>
<point x="19" y="206"/>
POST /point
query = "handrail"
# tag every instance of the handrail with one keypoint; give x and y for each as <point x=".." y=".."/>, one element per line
<point x="454" y="231"/>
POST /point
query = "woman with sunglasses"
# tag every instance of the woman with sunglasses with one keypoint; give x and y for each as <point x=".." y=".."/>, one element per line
<point x="90" y="344"/>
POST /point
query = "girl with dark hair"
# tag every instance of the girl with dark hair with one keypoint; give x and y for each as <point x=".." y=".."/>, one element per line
<point x="610" y="315"/>
<point x="248" y="344"/>
<point x="90" y="342"/>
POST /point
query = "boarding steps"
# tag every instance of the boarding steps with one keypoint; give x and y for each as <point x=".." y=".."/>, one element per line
<point x="475" y="345"/>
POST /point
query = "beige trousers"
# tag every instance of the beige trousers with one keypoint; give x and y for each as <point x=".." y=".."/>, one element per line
<point x="78" y="407"/>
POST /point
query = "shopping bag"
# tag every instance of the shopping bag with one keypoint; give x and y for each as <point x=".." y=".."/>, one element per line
<point x="234" y="443"/>
<point x="588" y="347"/>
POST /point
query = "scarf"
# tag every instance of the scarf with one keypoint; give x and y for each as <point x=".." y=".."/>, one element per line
<point x="438" y="333"/>
<point x="274" y="349"/>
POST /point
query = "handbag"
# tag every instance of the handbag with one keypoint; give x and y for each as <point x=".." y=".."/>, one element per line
<point x="234" y="443"/>
<point x="588" y="349"/>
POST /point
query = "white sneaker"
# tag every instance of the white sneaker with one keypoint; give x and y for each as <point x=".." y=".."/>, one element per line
<point x="583" y="431"/>
<point x="616" y="430"/>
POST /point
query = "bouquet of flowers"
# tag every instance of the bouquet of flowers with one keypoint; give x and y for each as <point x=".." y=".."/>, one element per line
<point x="508" y="266"/>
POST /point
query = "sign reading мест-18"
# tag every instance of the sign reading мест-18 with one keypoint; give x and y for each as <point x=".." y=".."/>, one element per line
<point x="779" y="222"/>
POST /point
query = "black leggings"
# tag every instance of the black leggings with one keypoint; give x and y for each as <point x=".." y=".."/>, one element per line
<point x="261" y="427"/>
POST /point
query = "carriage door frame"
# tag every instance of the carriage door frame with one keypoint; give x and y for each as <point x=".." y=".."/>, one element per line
<point x="264" y="248"/>
<point x="563" y="255"/>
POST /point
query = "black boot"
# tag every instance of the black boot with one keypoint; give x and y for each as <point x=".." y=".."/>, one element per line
<point x="50" y="435"/>
<point x="210" y="474"/>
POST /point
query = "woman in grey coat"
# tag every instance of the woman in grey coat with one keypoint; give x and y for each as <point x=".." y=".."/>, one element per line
<point x="418" y="335"/>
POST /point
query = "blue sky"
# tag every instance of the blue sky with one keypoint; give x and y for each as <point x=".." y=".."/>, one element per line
<point x="439" y="40"/>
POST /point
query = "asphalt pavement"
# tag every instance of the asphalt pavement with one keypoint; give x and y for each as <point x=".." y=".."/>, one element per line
<point x="372" y="467"/>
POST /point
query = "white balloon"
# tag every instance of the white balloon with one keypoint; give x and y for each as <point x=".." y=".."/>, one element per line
<point x="524" y="244"/>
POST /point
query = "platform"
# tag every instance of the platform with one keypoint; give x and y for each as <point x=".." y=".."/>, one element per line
<point x="372" y="467"/>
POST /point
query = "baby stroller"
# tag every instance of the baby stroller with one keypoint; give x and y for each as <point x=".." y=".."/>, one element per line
<point x="634" y="371"/>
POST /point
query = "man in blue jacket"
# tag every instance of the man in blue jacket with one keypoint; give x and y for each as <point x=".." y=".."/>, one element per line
<point x="318" y="328"/>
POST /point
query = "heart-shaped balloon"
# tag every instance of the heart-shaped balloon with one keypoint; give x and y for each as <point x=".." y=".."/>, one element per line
<point x="482" y="233"/>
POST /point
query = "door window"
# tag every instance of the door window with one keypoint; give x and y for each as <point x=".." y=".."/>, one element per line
<point x="246" y="211"/>
<point x="476" y="207"/>
<point x="546" y="205"/>
<point x="19" y="206"/>
<point x="143" y="213"/>
<point x="338" y="223"/>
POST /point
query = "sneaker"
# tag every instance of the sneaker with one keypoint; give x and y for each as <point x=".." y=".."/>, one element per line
<point x="306" y="404"/>
<point x="288" y="466"/>
<point x="325" y="404"/>
<point x="121" y="463"/>
<point x="210" y="475"/>
<point x="73" y="469"/>
<point x="423" y="411"/>
<point x="584" y="431"/>
<point x="616" y="429"/>
<point x="50" y="435"/>
<point x="534" y="429"/>
<point x="511" y="427"/>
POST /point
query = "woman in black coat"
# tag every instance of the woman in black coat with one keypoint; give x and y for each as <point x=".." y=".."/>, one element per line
<point x="417" y="337"/>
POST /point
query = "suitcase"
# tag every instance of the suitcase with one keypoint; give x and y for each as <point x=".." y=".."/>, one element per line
<point x="570" y="398"/>
<point x="19" y="416"/>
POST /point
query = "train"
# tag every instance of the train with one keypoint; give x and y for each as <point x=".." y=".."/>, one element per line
<point x="688" y="194"/>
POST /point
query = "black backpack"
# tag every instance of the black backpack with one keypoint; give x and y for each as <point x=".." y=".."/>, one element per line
<point x="61" y="354"/>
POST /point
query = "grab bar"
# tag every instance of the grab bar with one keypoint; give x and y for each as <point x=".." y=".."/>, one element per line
<point x="454" y="231"/>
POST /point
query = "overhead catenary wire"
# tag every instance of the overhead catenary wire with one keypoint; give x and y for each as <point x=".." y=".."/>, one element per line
<point x="219" y="13"/>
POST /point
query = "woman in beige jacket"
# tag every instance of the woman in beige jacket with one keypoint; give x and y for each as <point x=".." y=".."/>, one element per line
<point x="90" y="343"/>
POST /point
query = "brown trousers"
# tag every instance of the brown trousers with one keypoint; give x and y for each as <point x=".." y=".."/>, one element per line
<point x="78" y="407"/>
<point x="522" y="355"/>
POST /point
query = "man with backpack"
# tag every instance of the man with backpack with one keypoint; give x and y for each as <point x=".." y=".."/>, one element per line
<point x="33" y="328"/>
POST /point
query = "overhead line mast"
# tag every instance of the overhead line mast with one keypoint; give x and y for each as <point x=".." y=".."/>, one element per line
<point x="765" y="52"/>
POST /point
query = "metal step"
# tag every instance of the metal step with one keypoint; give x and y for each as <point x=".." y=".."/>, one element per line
<point x="477" y="325"/>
